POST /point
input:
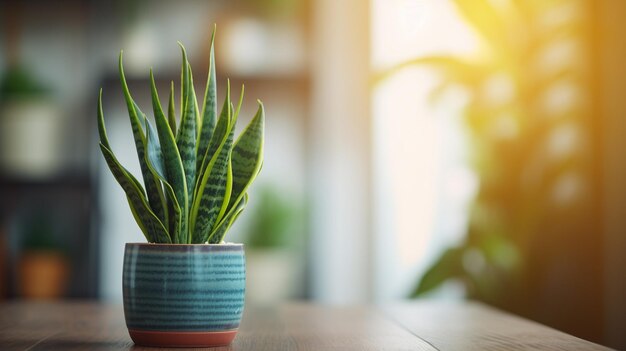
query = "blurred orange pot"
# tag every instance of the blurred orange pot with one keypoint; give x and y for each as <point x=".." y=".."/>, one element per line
<point x="43" y="275"/>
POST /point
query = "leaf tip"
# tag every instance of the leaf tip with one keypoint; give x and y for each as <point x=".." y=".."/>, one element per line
<point x="182" y="48"/>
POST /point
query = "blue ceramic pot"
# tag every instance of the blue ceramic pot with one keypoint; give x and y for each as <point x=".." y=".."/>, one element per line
<point x="183" y="295"/>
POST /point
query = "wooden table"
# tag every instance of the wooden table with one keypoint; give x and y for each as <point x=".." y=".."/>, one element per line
<point x="424" y="325"/>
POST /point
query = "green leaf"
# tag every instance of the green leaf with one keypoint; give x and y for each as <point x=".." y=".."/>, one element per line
<point x="154" y="161"/>
<point x="194" y="102"/>
<point x="155" y="158"/>
<point x="186" y="141"/>
<point x="218" y="138"/>
<point x="247" y="155"/>
<point x="213" y="192"/>
<point x="102" y="132"/>
<point x="236" y="115"/>
<point x="138" y="220"/>
<point x="171" y="170"/>
<point x="171" y="110"/>
<point x="188" y="167"/>
<point x="449" y="265"/>
<point x="459" y="69"/>
<point x="148" y="221"/>
<point x="156" y="199"/>
<point x="217" y="236"/>
<point x="209" y="110"/>
<point x="104" y="139"/>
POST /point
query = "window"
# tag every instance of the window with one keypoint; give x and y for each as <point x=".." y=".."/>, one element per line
<point x="422" y="186"/>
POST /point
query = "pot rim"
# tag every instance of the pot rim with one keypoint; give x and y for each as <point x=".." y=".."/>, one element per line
<point x="178" y="245"/>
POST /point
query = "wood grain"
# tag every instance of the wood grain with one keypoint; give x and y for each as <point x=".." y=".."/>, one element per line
<point x="473" y="326"/>
<point x="62" y="326"/>
<point x="411" y="326"/>
<point x="358" y="328"/>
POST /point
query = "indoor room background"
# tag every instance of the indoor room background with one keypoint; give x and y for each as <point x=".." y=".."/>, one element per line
<point x="414" y="149"/>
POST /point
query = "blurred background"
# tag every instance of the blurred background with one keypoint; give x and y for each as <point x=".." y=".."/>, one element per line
<point x="444" y="149"/>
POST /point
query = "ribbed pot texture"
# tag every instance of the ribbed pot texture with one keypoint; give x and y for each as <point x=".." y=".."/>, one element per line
<point x="183" y="295"/>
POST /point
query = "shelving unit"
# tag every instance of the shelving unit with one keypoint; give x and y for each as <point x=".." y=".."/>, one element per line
<point x="96" y="219"/>
<point x="67" y="205"/>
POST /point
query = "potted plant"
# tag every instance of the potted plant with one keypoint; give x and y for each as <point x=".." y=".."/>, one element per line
<point x="274" y="235"/>
<point x="43" y="264"/>
<point x="27" y="107"/>
<point x="185" y="287"/>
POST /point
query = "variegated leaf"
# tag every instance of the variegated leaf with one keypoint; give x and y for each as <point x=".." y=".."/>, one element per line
<point x="209" y="109"/>
<point x="155" y="231"/>
<point x="217" y="236"/>
<point x="186" y="141"/>
<point x="171" y="110"/>
<point x="138" y="220"/>
<point x="247" y="156"/>
<point x="104" y="139"/>
<point x="213" y="192"/>
<point x="236" y="113"/>
<point x="156" y="199"/>
<point x="156" y="162"/>
<point x="172" y="167"/>
<point x="218" y="138"/>
<point x="194" y="102"/>
<point x="204" y="172"/>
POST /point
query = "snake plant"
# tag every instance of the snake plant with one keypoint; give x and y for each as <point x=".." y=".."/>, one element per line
<point x="196" y="174"/>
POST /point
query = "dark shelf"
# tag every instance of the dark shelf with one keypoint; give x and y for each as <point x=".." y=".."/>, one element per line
<point x="200" y="77"/>
<point x="68" y="204"/>
<point x="66" y="180"/>
<point x="111" y="82"/>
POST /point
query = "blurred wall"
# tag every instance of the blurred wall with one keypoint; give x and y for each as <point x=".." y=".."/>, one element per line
<point x="610" y="15"/>
<point x="340" y="149"/>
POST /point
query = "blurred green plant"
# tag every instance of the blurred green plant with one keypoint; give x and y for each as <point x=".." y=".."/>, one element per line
<point x="17" y="82"/>
<point x="39" y="232"/>
<point x="196" y="176"/>
<point x="525" y="136"/>
<point x="274" y="221"/>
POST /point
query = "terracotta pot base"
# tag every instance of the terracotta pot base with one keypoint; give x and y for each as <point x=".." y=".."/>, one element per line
<point x="182" y="339"/>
